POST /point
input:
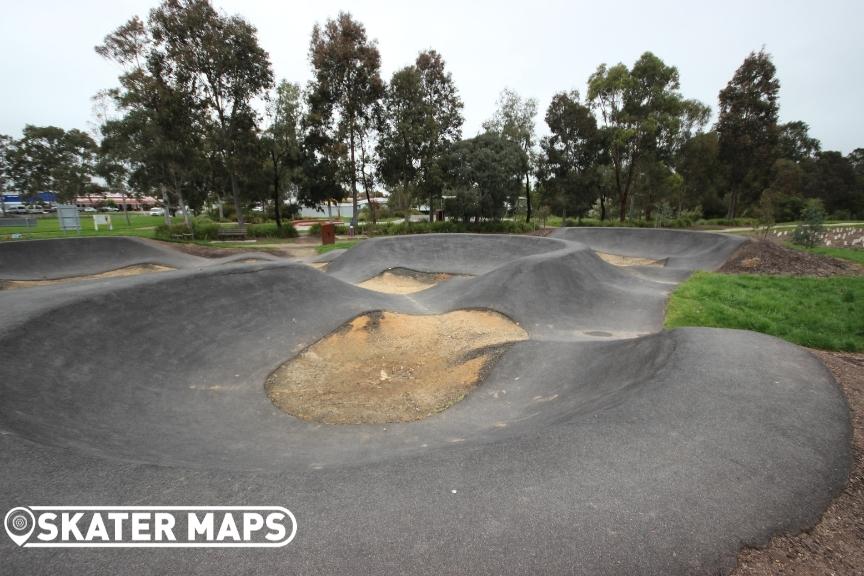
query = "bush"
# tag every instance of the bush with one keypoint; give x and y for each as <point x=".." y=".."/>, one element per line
<point x="205" y="229"/>
<point x="451" y="227"/>
<point x="315" y="229"/>
<point x="270" y="230"/>
<point x="201" y="230"/>
<point x="809" y="232"/>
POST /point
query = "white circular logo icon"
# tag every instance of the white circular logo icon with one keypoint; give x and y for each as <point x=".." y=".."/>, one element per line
<point x="19" y="523"/>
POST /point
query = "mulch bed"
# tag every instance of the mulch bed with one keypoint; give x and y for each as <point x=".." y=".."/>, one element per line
<point x="836" y="544"/>
<point x="768" y="257"/>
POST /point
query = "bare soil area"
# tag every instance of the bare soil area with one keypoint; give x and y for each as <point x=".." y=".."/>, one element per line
<point x="617" y="260"/>
<point x="768" y="257"/>
<point x="836" y="544"/>
<point x="385" y="367"/>
<point x="120" y="272"/>
<point x="403" y="281"/>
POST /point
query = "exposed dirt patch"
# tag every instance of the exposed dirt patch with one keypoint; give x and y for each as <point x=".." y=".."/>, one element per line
<point x="836" y="544"/>
<point x="386" y="367"/>
<point x="202" y="251"/>
<point x="617" y="260"/>
<point x="767" y="257"/>
<point x="403" y="281"/>
<point x="318" y="265"/>
<point x="120" y="272"/>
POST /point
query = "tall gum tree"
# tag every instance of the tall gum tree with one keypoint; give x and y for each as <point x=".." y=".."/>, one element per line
<point x="422" y="121"/>
<point x="747" y="128"/>
<point x="219" y="57"/>
<point x="636" y="107"/>
<point x="514" y="120"/>
<point x="347" y="80"/>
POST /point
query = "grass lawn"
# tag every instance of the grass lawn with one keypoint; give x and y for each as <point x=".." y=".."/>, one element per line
<point x="47" y="226"/>
<point x="826" y="313"/>
<point x="852" y="254"/>
<point x="341" y="245"/>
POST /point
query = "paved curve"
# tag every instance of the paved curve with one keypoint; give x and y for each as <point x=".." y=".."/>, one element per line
<point x="602" y="445"/>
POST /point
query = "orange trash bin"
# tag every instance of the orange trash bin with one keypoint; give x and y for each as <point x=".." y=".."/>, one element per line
<point x="328" y="233"/>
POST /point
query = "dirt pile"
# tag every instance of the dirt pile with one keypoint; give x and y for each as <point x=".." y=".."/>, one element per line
<point x="617" y="260"/>
<point x="767" y="257"/>
<point x="385" y="367"/>
<point x="119" y="273"/>
<point x="403" y="281"/>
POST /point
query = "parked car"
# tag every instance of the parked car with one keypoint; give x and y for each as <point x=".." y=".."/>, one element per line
<point x="17" y="210"/>
<point x="89" y="209"/>
<point x="157" y="212"/>
<point x="109" y="209"/>
<point x="35" y="210"/>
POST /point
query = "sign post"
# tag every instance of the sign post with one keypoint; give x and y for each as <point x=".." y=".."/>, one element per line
<point x="103" y="219"/>
<point x="68" y="217"/>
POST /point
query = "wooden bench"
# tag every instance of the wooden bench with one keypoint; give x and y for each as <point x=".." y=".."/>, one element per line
<point x="232" y="232"/>
<point x="183" y="236"/>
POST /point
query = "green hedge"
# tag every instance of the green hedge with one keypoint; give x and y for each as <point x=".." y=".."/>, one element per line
<point x="208" y="230"/>
<point x="270" y="230"/>
<point x="491" y="227"/>
<point x="201" y="230"/>
<point x="315" y="229"/>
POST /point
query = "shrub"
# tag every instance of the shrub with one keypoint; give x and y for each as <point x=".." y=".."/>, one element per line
<point x="201" y="230"/>
<point x="809" y="232"/>
<point x="315" y="229"/>
<point x="270" y="230"/>
<point x="451" y="227"/>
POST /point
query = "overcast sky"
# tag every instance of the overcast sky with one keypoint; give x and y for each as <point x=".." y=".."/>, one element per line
<point x="50" y="72"/>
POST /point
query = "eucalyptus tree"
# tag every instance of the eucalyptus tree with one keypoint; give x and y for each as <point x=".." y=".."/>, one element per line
<point x="283" y="140"/>
<point x="514" y="120"/>
<point x="160" y="130"/>
<point x="639" y="109"/>
<point x="747" y="128"/>
<point x="571" y="155"/>
<point x="485" y="172"/>
<point x="7" y="147"/>
<point x="218" y="59"/>
<point x="347" y="81"/>
<point x="422" y="120"/>
<point x="48" y="158"/>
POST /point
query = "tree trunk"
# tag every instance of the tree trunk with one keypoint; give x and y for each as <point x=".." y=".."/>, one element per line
<point x="372" y="209"/>
<point x="277" y="204"/>
<point x="236" y="193"/>
<point x="178" y="189"/>
<point x="733" y="204"/>
<point x="166" y="200"/>
<point x="528" y="196"/>
<point x="125" y="208"/>
<point x="353" y="179"/>
<point x="431" y="213"/>
<point x="602" y="208"/>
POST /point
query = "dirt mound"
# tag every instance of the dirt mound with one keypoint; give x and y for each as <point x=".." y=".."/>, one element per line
<point x="617" y="260"/>
<point x="119" y="273"/>
<point x="386" y="367"/>
<point x="767" y="257"/>
<point x="403" y="281"/>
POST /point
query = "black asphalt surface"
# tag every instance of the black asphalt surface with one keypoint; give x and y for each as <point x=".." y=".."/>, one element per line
<point x="602" y="445"/>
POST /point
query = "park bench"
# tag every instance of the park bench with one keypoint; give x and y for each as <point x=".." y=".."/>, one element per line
<point x="28" y="222"/>
<point x="182" y="236"/>
<point x="232" y="232"/>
